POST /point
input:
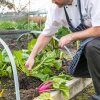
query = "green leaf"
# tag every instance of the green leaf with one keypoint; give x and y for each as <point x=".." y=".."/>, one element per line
<point x="7" y="25"/>
<point x="0" y="56"/>
<point x="31" y="44"/>
<point x="45" y="96"/>
<point x="41" y="76"/>
<point x="65" y="76"/>
<point x="60" y="84"/>
<point x="25" y="56"/>
<point x="62" y="32"/>
<point x="46" y="70"/>
<point x="65" y="90"/>
<point x="9" y="70"/>
<point x="3" y="73"/>
<point x="20" y="63"/>
<point x="6" y="59"/>
<point x="58" y="64"/>
<point x="5" y="56"/>
<point x="57" y="82"/>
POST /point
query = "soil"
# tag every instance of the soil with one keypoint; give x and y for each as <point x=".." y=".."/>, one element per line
<point x="28" y="84"/>
<point x="27" y="87"/>
<point x="17" y="41"/>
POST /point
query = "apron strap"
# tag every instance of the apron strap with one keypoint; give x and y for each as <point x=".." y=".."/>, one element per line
<point x="67" y="17"/>
<point x="80" y="10"/>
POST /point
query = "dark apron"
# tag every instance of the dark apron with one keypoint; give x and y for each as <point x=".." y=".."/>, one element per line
<point x="78" y="66"/>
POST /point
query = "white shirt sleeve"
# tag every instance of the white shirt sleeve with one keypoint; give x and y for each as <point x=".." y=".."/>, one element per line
<point x="94" y="10"/>
<point x="55" y="19"/>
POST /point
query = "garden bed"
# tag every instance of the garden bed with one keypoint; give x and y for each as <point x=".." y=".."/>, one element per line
<point x="11" y="36"/>
<point x="75" y="87"/>
<point x="29" y="83"/>
<point x="28" y="88"/>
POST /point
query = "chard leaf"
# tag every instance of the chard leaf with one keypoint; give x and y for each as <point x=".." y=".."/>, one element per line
<point x="41" y="76"/>
<point x="0" y="56"/>
<point x="47" y="59"/>
<point x="46" y="70"/>
<point x="60" y="84"/>
<point x="45" y="96"/>
<point x="4" y="53"/>
<point x="65" y="76"/>
<point x="9" y="70"/>
<point x="58" y="64"/>
<point x="65" y="90"/>
<point x="3" y="73"/>
<point x="6" y="59"/>
<point x="5" y="56"/>
<point x="31" y="44"/>
<point x="57" y="82"/>
<point x="25" y="56"/>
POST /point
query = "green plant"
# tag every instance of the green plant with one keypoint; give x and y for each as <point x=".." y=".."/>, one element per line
<point x="20" y="57"/>
<point x="7" y="25"/>
<point x="24" y="24"/>
<point x="45" y="96"/>
<point x="60" y="84"/>
<point x="44" y="63"/>
<point x="5" y="66"/>
<point x="62" y="32"/>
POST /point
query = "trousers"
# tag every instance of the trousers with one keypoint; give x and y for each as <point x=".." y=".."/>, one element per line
<point x="86" y="63"/>
<point x="92" y="54"/>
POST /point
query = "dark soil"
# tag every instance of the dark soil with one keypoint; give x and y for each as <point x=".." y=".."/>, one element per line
<point x="16" y="41"/>
<point x="28" y="84"/>
<point x="8" y="86"/>
<point x="27" y="87"/>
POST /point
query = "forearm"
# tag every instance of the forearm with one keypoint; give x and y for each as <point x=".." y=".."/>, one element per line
<point x="42" y="41"/>
<point x="90" y="32"/>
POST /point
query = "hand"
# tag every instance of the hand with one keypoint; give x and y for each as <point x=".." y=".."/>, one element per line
<point x="29" y="63"/>
<point x="65" y="40"/>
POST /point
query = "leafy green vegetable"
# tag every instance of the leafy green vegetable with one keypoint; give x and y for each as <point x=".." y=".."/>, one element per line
<point x="47" y="60"/>
<point x="62" y="32"/>
<point x="20" y="58"/>
<point x="45" y="96"/>
<point x="5" y="57"/>
<point x="9" y="70"/>
<point x="5" y="68"/>
<point x="7" y="25"/>
<point x="60" y="84"/>
<point x="31" y="44"/>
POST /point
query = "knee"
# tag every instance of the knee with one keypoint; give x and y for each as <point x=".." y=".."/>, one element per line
<point x="90" y="48"/>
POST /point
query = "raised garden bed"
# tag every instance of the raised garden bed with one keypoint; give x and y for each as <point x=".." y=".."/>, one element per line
<point x="12" y="38"/>
<point x="75" y="86"/>
<point x="28" y="84"/>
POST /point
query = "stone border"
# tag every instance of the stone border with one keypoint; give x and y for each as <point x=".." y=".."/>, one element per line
<point x="75" y="86"/>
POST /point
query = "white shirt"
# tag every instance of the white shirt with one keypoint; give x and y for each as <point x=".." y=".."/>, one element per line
<point x="56" y="16"/>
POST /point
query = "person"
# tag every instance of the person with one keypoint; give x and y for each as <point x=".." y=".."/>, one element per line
<point x="82" y="17"/>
